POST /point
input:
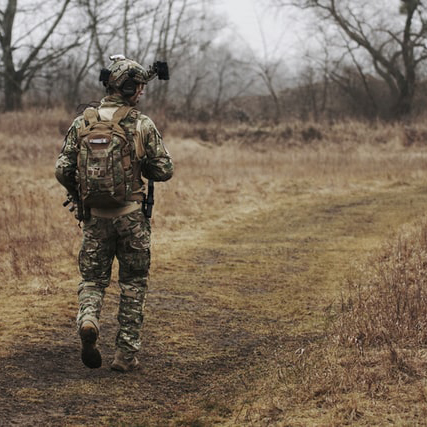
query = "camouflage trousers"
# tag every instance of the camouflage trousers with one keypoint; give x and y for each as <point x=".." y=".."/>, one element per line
<point x="128" y="238"/>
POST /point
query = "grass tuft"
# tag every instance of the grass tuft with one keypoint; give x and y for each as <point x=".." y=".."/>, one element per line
<point x="386" y="300"/>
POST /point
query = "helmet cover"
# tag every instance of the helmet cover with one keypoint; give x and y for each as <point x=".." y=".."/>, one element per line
<point x="122" y="69"/>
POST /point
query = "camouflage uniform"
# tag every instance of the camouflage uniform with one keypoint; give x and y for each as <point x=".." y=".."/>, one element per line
<point x="121" y="232"/>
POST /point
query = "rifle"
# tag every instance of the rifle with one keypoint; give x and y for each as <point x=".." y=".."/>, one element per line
<point x="77" y="206"/>
<point x="148" y="202"/>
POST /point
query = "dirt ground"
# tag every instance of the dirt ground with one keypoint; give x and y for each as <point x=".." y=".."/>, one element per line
<point x="220" y="305"/>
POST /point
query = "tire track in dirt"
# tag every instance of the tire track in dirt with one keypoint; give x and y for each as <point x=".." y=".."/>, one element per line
<point x="217" y="309"/>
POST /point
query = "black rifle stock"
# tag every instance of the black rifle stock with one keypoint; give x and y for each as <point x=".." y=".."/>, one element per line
<point x="77" y="207"/>
<point x="149" y="200"/>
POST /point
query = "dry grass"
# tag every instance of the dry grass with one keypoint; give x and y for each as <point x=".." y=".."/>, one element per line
<point x="386" y="300"/>
<point x="255" y="234"/>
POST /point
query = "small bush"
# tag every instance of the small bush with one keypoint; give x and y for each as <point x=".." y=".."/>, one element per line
<point x="311" y="133"/>
<point x="387" y="301"/>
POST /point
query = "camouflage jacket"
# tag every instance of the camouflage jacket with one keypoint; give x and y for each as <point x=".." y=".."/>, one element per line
<point x="156" y="162"/>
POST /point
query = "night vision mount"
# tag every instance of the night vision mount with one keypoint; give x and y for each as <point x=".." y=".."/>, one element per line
<point x="159" y="69"/>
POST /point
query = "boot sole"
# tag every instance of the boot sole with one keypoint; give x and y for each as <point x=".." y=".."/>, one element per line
<point x="91" y="356"/>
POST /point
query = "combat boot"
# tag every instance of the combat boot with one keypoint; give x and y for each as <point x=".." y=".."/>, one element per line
<point x="91" y="356"/>
<point x="124" y="362"/>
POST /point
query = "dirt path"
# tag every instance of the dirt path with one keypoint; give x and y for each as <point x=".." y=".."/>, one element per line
<point x="217" y="309"/>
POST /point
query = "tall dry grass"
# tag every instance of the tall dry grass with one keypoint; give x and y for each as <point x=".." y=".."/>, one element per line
<point x="234" y="170"/>
<point x="386" y="299"/>
<point x="297" y="133"/>
<point x="30" y="224"/>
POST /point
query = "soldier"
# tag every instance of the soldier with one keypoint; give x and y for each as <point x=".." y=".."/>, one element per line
<point x="119" y="228"/>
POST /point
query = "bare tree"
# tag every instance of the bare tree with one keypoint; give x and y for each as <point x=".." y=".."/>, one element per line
<point x="109" y="27"/>
<point x="268" y="71"/>
<point x="268" y="66"/>
<point x="98" y="17"/>
<point x="191" y="85"/>
<point x="101" y="27"/>
<point x="392" y="37"/>
<point x="182" y="24"/>
<point x="230" y="78"/>
<point x="25" y="56"/>
<point x="358" y="84"/>
<point x="76" y="37"/>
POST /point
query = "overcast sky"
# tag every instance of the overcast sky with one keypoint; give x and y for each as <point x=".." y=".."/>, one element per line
<point x="252" y="19"/>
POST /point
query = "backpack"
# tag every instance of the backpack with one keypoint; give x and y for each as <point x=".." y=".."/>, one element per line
<point x="108" y="172"/>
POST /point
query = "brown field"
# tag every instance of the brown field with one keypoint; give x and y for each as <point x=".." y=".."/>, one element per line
<point x="279" y="264"/>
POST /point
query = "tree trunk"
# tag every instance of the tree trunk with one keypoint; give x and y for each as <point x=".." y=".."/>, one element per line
<point x="17" y="78"/>
<point x="12" y="84"/>
<point x="404" y="102"/>
<point x="13" y="93"/>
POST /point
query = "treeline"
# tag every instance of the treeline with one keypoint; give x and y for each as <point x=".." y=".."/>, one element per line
<point x="357" y="60"/>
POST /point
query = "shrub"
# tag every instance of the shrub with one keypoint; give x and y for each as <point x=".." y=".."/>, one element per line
<point x="387" y="299"/>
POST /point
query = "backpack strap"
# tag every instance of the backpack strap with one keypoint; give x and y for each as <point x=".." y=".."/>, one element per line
<point x="91" y="116"/>
<point x="121" y="113"/>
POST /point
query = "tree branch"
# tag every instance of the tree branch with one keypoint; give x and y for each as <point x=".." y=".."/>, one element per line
<point x="26" y="63"/>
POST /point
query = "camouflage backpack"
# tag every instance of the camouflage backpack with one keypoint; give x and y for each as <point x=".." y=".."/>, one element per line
<point x="108" y="172"/>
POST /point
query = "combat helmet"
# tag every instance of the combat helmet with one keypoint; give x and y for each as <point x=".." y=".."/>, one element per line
<point x="125" y="74"/>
